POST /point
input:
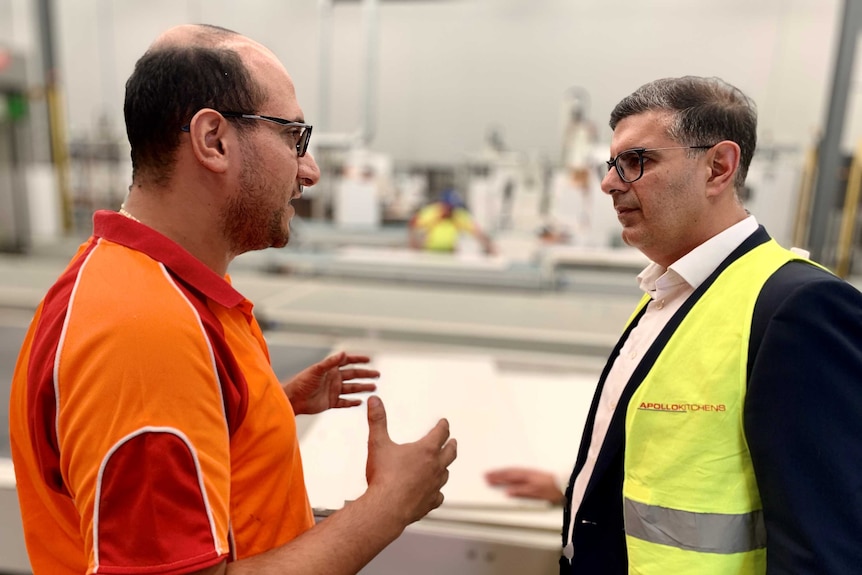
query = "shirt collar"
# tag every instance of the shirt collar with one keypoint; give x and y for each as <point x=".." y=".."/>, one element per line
<point x="694" y="267"/>
<point x="124" y="231"/>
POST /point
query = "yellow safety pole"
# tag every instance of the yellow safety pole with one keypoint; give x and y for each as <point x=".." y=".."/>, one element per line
<point x="59" y="152"/>
<point x="848" y="215"/>
<point x="803" y="204"/>
<point x="54" y="102"/>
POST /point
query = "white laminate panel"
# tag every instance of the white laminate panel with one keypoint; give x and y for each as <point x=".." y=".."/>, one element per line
<point x="498" y="418"/>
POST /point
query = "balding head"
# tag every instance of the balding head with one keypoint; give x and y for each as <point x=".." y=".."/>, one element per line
<point x="187" y="68"/>
<point x="254" y="55"/>
<point x="196" y="35"/>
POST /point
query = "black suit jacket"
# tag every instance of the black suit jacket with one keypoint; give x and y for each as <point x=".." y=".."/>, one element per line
<point x="803" y="424"/>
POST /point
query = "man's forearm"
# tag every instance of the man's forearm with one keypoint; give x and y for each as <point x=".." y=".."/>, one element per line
<point x="341" y="544"/>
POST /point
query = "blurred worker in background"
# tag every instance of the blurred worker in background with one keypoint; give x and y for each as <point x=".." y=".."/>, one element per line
<point x="578" y="139"/>
<point x="149" y="431"/>
<point x="724" y="436"/>
<point x="438" y="226"/>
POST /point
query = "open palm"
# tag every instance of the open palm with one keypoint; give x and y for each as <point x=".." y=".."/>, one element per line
<point x="321" y="386"/>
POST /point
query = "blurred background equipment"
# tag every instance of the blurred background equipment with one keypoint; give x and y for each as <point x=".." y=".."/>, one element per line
<point x="14" y="209"/>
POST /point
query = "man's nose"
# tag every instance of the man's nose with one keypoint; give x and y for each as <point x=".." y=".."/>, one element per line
<point x="612" y="182"/>
<point x="308" y="173"/>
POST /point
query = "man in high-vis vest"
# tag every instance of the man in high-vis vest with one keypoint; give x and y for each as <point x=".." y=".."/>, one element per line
<point x="725" y="435"/>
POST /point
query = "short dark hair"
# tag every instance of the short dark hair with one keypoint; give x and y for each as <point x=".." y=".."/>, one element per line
<point x="169" y="85"/>
<point x="705" y="111"/>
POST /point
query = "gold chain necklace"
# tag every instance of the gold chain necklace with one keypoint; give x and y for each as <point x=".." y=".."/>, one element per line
<point x="127" y="214"/>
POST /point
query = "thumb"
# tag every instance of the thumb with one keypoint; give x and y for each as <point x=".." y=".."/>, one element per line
<point x="378" y="433"/>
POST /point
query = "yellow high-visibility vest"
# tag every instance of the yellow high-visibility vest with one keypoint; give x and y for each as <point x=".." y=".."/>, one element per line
<point x="691" y="502"/>
<point x="442" y="233"/>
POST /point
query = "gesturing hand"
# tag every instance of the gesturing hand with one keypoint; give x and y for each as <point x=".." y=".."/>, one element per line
<point x="407" y="478"/>
<point x="527" y="483"/>
<point x="320" y="386"/>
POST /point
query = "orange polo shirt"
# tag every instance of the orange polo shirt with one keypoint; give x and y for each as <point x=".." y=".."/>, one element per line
<point x="149" y="432"/>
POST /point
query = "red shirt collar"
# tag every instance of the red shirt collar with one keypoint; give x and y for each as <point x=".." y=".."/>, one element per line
<point x="119" y="229"/>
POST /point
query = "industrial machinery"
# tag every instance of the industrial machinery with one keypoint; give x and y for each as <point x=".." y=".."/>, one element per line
<point x="14" y="213"/>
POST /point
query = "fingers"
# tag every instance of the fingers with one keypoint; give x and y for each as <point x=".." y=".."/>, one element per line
<point x="526" y="491"/>
<point x="348" y="388"/>
<point x="409" y="476"/>
<point x="356" y="373"/>
<point x="495" y="476"/>
<point x="378" y="433"/>
<point x="349" y="358"/>
<point x="439" y="501"/>
<point x="342" y="402"/>
<point x="526" y="483"/>
<point x="351" y="388"/>
<point x="505" y="476"/>
<point x="439" y="433"/>
<point x="445" y="478"/>
<point x="331" y="362"/>
<point x="449" y="452"/>
<point x="438" y="496"/>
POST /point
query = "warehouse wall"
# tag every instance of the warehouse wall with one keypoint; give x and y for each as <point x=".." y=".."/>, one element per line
<point x="447" y="70"/>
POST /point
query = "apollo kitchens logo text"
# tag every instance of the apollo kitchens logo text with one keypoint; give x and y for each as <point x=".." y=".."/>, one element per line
<point x="681" y="407"/>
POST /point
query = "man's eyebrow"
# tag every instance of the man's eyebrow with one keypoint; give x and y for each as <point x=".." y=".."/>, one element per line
<point x="628" y="149"/>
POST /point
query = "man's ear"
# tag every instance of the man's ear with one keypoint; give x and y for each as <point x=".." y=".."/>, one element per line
<point x="211" y="140"/>
<point x="722" y="163"/>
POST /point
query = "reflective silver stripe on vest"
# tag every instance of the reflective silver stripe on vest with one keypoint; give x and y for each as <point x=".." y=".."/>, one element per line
<point x="702" y="532"/>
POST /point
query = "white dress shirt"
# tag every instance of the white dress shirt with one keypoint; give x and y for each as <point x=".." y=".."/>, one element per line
<point x="669" y="288"/>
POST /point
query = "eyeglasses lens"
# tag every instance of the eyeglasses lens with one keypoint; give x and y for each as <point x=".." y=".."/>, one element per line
<point x="629" y="165"/>
<point x="302" y="144"/>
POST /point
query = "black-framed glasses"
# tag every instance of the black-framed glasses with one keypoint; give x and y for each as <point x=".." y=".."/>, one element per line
<point x="630" y="163"/>
<point x="301" y="136"/>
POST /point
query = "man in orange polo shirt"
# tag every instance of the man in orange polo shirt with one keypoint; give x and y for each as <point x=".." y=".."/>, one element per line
<point x="149" y="431"/>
